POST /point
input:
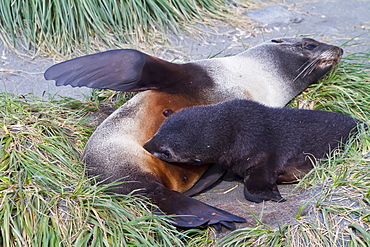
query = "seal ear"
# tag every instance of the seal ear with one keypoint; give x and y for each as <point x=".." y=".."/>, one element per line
<point x="119" y="70"/>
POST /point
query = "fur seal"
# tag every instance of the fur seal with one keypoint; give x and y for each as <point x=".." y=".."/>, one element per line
<point x="271" y="73"/>
<point x="263" y="145"/>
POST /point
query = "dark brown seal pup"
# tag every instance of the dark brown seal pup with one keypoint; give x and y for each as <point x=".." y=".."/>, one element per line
<point x="271" y="73"/>
<point x="263" y="145"/>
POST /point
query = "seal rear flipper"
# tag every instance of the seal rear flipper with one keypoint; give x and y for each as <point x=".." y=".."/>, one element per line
<point x="119" y="70"/>
<point x="191" y="213"/>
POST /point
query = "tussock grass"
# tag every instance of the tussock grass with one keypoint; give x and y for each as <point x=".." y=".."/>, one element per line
<point x="45" y="199"/>
<point x="340" y="215"/>
<point x="64" y="27"/>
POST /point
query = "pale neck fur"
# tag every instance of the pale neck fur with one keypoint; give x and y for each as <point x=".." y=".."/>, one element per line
<point x="233" y="79"/>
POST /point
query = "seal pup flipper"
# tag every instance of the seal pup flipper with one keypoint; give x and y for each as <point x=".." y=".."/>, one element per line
<point x="191" y="213"/>
<point x="209" y="178"/>
<point x="265" y="195"/>
<point x="119" y="70"/>
<point x="260" y="185"/>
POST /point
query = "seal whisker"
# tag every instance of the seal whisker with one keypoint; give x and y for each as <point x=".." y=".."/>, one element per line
<point x="312" y="66"/>
<point x="308" y="68"/>
<point x="308" y="64"/>
<point x="305" y="66"/>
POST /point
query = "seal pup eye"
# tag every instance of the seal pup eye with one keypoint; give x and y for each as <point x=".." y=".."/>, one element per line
<point x="197" y="160"/>
<point x="310" y="46"/>
<point x="168" y="113"/>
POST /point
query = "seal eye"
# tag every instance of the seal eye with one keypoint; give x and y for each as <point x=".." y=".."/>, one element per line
<point x="168" y="113"/>
<point x="276" y="41"/>
<point x="310" y="46"/>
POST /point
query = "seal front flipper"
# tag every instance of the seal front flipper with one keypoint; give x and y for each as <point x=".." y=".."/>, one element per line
<point x="208" y="179"/>
<point x="265" y="195"/>
<point x="260" y="184"/>
<point x="189" y="212"/>
<point x="119" y="70"/>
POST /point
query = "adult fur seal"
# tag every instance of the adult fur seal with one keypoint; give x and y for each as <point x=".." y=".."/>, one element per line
<point x="263" y="145"/>
<point x="271" y="73"/>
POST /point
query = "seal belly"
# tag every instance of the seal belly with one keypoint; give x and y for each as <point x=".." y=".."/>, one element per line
<point x="179" y="177"/>
<point x="176" y="177"/>
<point x="115" y="149"/>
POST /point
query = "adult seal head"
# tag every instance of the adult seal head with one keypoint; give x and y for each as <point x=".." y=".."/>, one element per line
<point x="271" y="73"/>
<point x="263" y="145"/>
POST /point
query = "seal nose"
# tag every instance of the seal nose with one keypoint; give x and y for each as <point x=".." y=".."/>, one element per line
<point x="164" y="154"/>
<point x="341" y="51"/>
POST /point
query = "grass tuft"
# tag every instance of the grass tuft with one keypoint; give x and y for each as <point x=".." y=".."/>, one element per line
<point x="45" y="199"/>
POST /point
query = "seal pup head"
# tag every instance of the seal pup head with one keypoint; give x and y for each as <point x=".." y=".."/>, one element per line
<point x="186" y="138"/>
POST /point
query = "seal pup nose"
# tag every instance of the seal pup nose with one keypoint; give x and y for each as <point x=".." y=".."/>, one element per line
<point x="162" y="153"/>
<point x="150" y="146"/>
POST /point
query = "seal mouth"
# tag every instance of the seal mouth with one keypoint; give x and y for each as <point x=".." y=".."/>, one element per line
<point x="326" y="60"/>
<point x="330" y="57"/>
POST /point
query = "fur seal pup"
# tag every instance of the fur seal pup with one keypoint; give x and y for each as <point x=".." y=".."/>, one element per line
<point x="263" y="145"/>
<point x="271" y="73"/>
